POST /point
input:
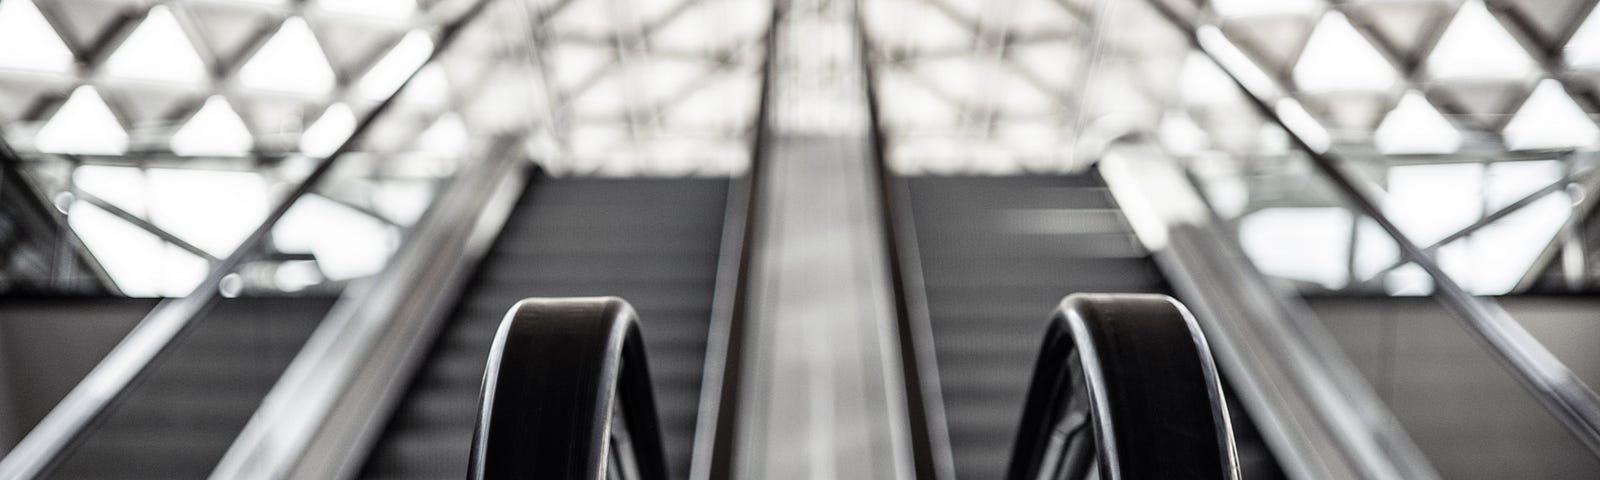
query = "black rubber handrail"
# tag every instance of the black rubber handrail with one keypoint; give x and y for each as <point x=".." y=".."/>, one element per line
<point x="1124" y="387"/>
<point x="560" y="370"/>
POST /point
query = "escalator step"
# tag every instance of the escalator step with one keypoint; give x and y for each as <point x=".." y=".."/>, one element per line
<point x="998" y="254"/>
<point x="653" y="242"/>
<point x="178" y="421"/>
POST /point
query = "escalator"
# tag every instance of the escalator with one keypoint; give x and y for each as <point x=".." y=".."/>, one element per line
<point x="653" y="242"/>
<point x="997" y="253"/>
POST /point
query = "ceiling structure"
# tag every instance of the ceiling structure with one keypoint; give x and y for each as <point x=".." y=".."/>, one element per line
<point x="1473" y="122"/>
<point x="1498" y="95"/>
<point x="1015" y="85"/>
<point x="669" y="86"/>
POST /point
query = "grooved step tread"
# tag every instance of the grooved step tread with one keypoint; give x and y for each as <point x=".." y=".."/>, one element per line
<point x="998" y="254"/>
<point x="178" y="421"/>
<point x="653" y="242"/>
<point x="1470" y="417"/>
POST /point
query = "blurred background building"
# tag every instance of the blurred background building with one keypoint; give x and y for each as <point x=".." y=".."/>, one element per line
<point x="271" y="238"/>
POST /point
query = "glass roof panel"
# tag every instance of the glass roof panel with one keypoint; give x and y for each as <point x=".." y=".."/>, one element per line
<point x="215" y="130"/>
<point x="83" y="124"/>
<point x="291" y="61"/>
<point x="1475" y="45"/>
<point x="1415" y="127"/>
<point x="27" y="42"/>
<point x="1584" y="48"/>
<point x="1549" y="120"/>
<point x="1338" y="58"/>
<point x="157" y="50"/>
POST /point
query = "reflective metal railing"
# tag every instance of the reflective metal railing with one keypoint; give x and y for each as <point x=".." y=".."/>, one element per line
<point x="1321" y="175"/>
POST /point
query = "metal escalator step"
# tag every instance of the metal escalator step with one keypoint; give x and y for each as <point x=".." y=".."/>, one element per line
<point x="653" y="242"/>
<point x="213" y="406"/>
<point x="177" y="422"/>
<point x="686" y="288"/>
<point x="671" y="297"/>
<point x="969" y="268"/>
<point x="605" y="245"/>
<point x="1065" y="246"/>
<point x="648" y="266"/>
<point x="129" y="454"/>
<point x="998" y="254"/>
<point x="422" y="454"/>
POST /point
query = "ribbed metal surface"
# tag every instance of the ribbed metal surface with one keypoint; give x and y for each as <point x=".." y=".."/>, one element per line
<point x="1464" y="410"/>
<point x="653" y="242"/>
<point x="998" y="254"/>
<point x="177" y="422"/>
<point x="48" y="344"/>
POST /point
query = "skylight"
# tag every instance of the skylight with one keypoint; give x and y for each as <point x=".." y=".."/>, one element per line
<point x="290" y="62"/>
<point x="212" y="209"/>
<point x="1247" y="8"/>
<point x="135" y="259"/>
<point x="215" y="130"/>
<point x="359" y="246"/>
<point x="28" y="43"/>
<point x="385" y="9"/>
<point x="1549" y="119"/>
<point x="1415" y="127"/>
<point x="1306" y="244"/>
<point x="1429" y="202"/>
<point x="1584" y="48"/>
<point x="83" y="125"/>
<point x="157" y="51"/>
<point x="1475" y="45"/>
<point x="1337" y="57"/>
<point x="122" y="186"/>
